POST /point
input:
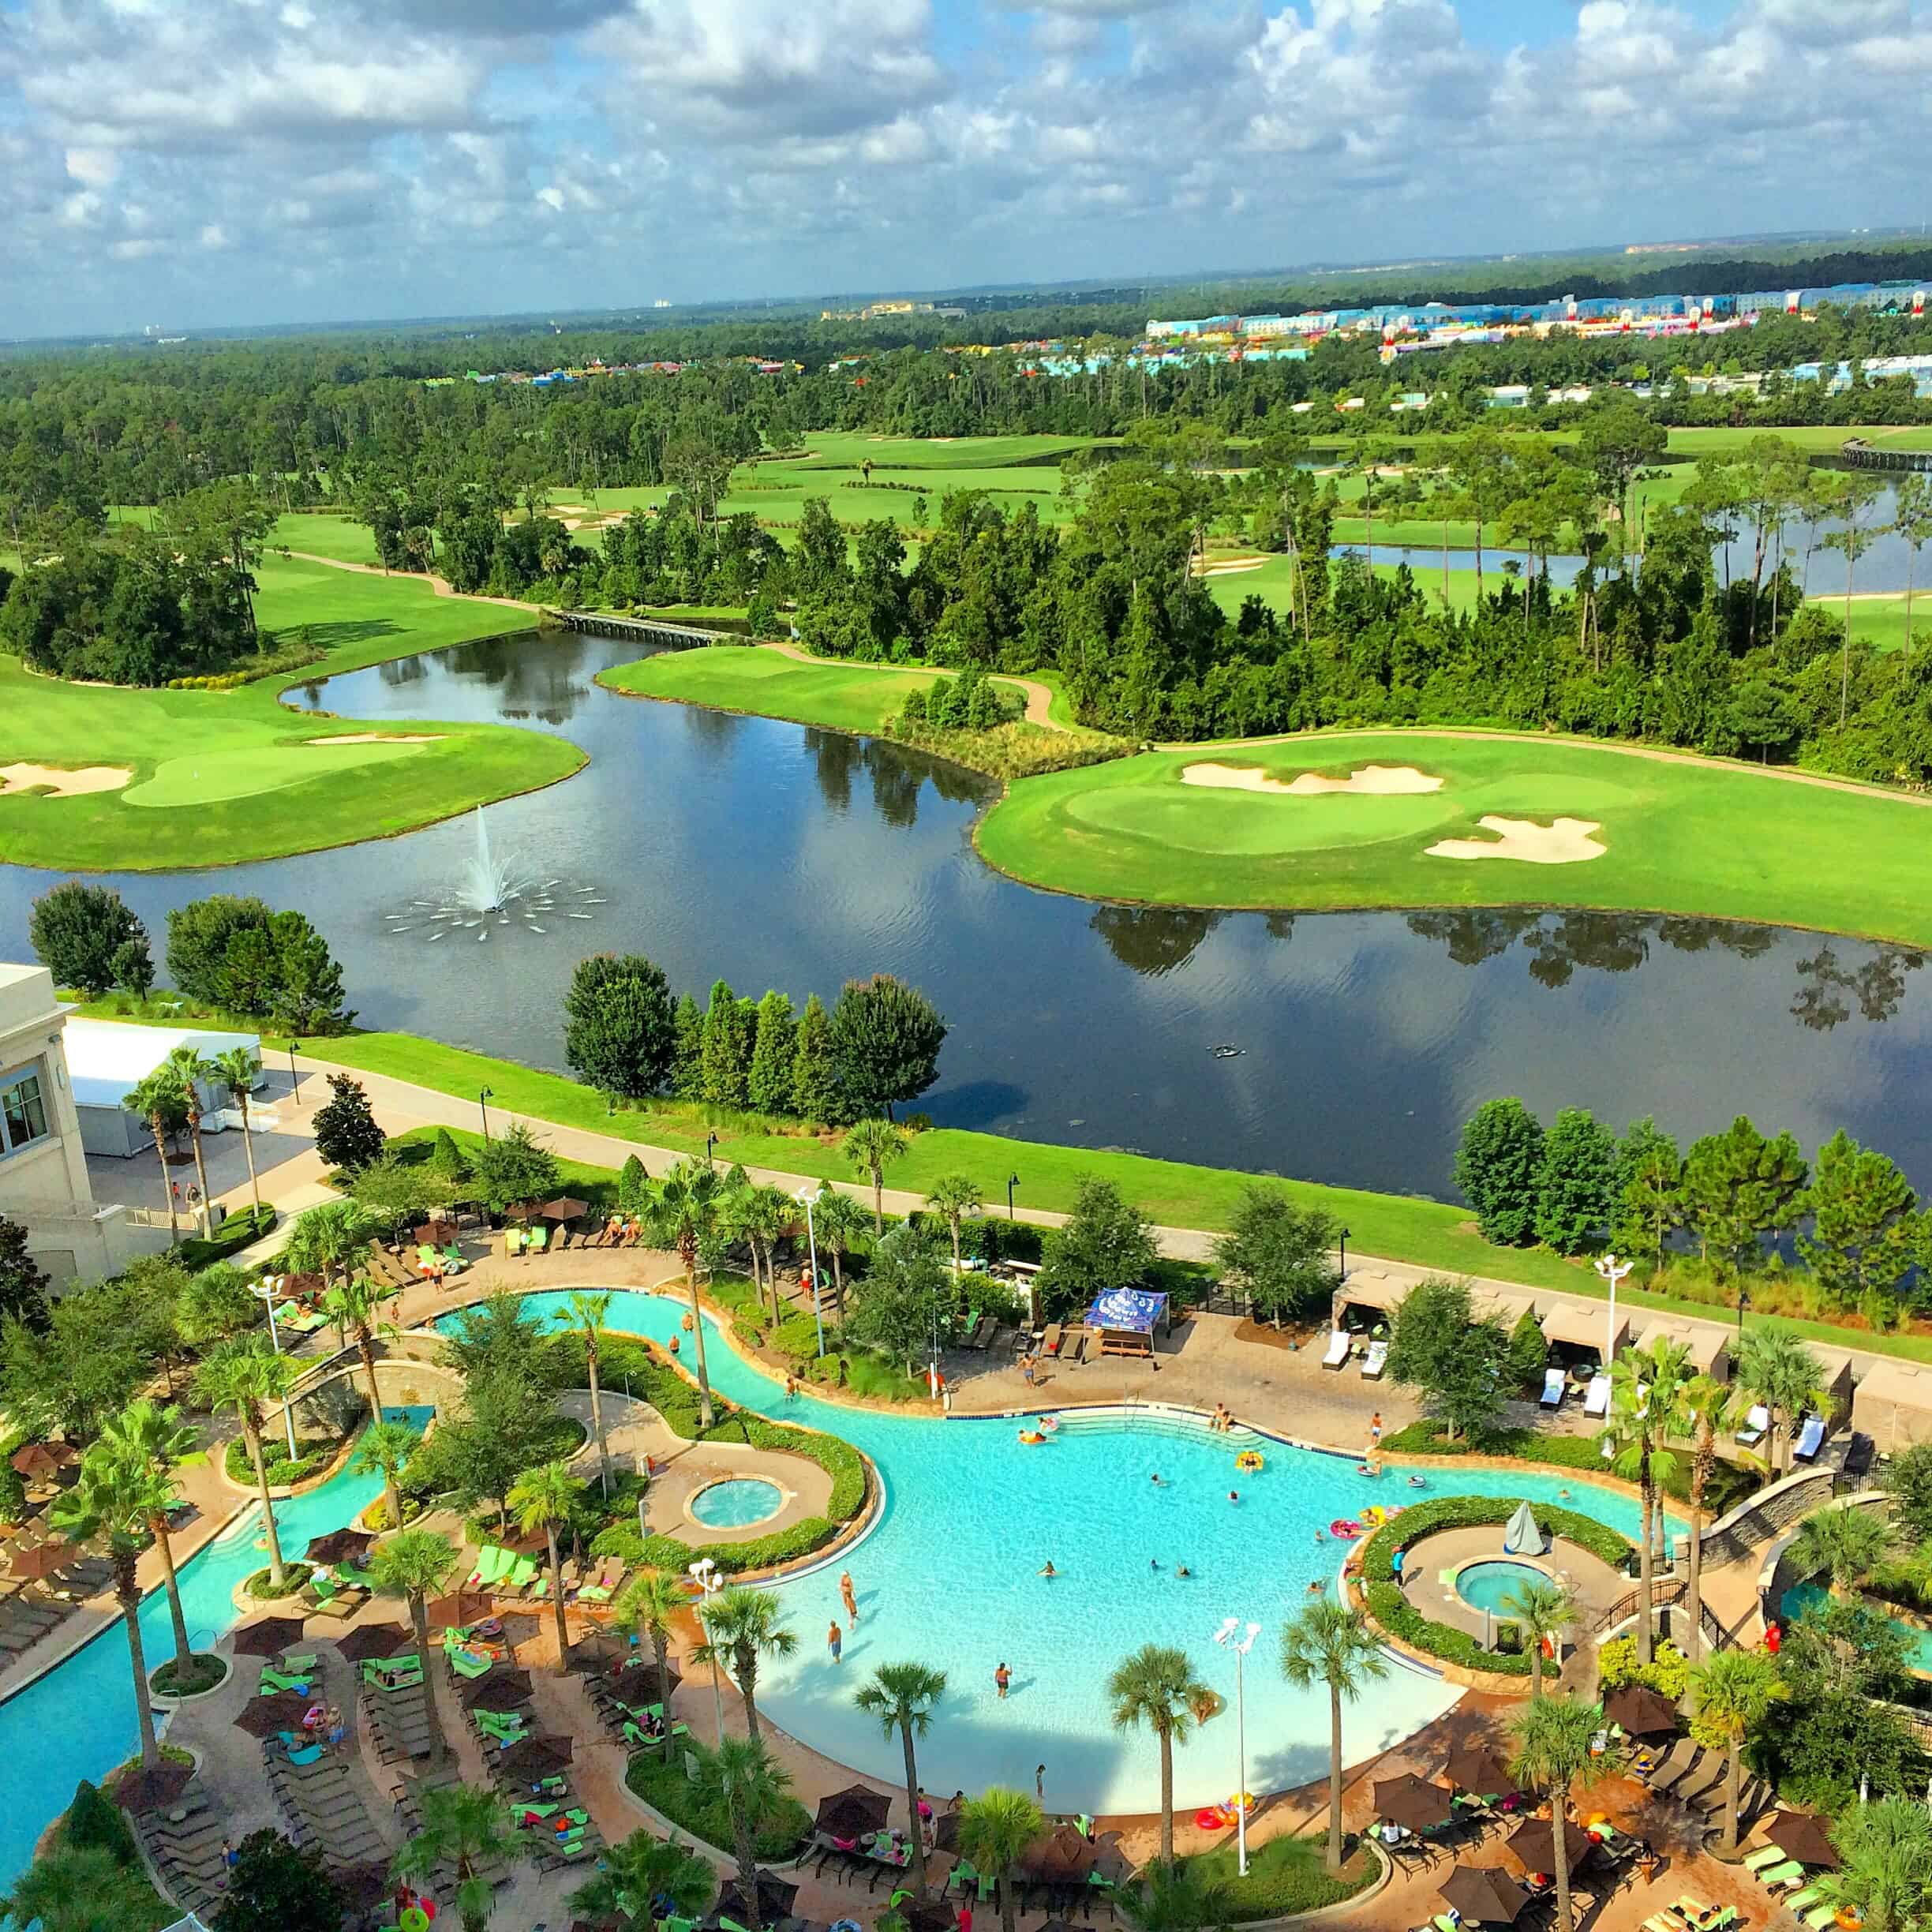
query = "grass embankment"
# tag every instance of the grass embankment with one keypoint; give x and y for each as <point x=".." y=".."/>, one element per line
<point x="220" y="777"/>
<point x="1701" y="839"/>
<point x="1285" y="1876"/>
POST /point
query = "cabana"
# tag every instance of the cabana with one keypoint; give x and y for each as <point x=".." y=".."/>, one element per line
<point x="1893" y="1404"/>
<point x="1585" y="1328"/>
<point x="1708" y="1343"/>
<point x="1127" y="1320"/>
<point x="1499" y="1304"/>
<point x="1835" y="1378"/>
<point x="1368" y="1293"/>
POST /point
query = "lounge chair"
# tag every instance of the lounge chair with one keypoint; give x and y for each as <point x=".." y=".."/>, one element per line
<point x="1764" y="1858"/>
<point x="1340" y="1343"/>
<point x="539" y="1239"/>
<point x="1800" y="1901"/>
<point x="1811" y="1439"/>
<point x="1050" y="1344"/>
<point x="1596" y="1397"/>
<point x="1555" y="1388"/>
<point x="1375" y="1361"/>
<point x="1753" y="1427"/>
<point x="1820" y="1916"/>
<point x="1787" y="1876"/>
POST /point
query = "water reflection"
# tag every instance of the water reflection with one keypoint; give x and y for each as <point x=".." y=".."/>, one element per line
<point x="1153" y="939"/>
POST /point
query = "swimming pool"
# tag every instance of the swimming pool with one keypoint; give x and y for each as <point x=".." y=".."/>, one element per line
<point x="1483" y="1585"/>
<point x="949" y="1577"/>
<point x="737" y="1503"/>
<point x="1802" y="1597"/>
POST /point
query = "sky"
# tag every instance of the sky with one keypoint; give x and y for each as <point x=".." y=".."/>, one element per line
<point x="185" y="164"/>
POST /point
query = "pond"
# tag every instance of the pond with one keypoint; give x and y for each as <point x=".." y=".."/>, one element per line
<point x="772" y="854"/>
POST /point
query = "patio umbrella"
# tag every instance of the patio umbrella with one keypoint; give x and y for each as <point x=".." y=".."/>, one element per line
<point x="1483" y="1896"/>
<point x="930" y="1915"/>
<point x="363" y="1887"/>
<point x="263" y="1717"/>
<point x="946" y="1832"/>
<point x="523" y="1209"/>
<point x="156" y="1790"/>
<point x="38" y="1461"/>
<point x="596" y="1652"/>
<point x="372" y="1640"/>
<point x="501" y="1690"/>
<point x="43" y="1559"/>
<point x="1062" y="1857"/>
<point x="1802" y="1835"/>
<point x="534" y="1757"/>
<point x="775" y="1897"/>
<point x="851" y="1813"/>
<point x="1411" y="1801"/>
<point x="267" y="1637"/>
<point x="565" y="1208"/>
<point x="464" y="1607"/>
<point x="1476" y="1768"/>
<point x="339" y="1546"/>
<point x="1535" y="1843"/>
<point x="1641" y="1711"/>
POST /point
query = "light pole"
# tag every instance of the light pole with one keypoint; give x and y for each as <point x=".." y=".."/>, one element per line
<point x="1344" y="1239"/>
<point x="294" y="1073"/>
<point x="1012" y="1180"/>
<point x="1744" y="1303"/>
<point x="704" y="1574"/>
<point x="484" y="1096"/>
<point x="806" y="1194"/>
<point x="1234" y="1636"/>
<point x="711" y="1150"/>
<point x="1612" y="1271"/>
<point x="266" y="1290"/>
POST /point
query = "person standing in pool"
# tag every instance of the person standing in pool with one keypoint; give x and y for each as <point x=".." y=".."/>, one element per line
<point x="1040" y="1786"/>
<point x="1002" y="1677"/>
<point x="835" y="1641"/>
<point x="850" y="1596"/>
<point x="1048" y="1571"/>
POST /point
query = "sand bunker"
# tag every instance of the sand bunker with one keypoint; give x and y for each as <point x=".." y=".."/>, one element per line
<point x="63" y="784"/>
<point x="379" y="738"/>
<point x="1378" y="780"/>
<point x="1226" y="567"/>
<point x="1564" y="841"/>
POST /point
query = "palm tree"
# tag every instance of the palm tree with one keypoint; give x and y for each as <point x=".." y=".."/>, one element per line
<point x="1731" y="1695"/>
<point x="157" y="1100"/>
<point x="189" y="1069"/>
<point x="242" y="1375"/>
<point x="994" y="1831"/>
<point x="154" y="1441"/>
<point x="469" y="1826"/>
<point x="742" y="1625"/>
<point x="236" y="1068"/>
<point x="1886" y="1877"/>
<point x="1180" y="1899"/>
<point x="1708" y="1409"/>
<point x="546" y="1498"/>
<point x="1773" y="1367"/>
<point x="80" y="1889"/>
<point x="872" y="1146"/>
<point x="1157" y="1687"/>
<point x="901" y="1697"/>
<point x="355" y="1306"/>
<point x="587" y="1313"/>
<point x="1542" y="1612"/>
<point x="1844" y="1542"/>
<point x="415" y="1565"/>
<point x="330" y="1237"/>
<point x="647" y="1606"/>
<point x="1330" y="1644"/>
<point x="109" y="1504"/>
<point x="681" y="1212"/>
<point x="640" y="1870"/>
<point x="386" y="1448"/>
<point x="1553" y="1741"/>
<point x="837" y="1222"/>
<point x="757" y="1216"/>
<point x="952" y="1197"/>
<point x="745" y="1777"/>
<point x="1644" y="1398"/>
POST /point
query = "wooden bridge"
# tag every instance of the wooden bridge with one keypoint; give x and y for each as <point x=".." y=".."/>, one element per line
<point x="640" y="630"/>
<point x="1863" y="455"/>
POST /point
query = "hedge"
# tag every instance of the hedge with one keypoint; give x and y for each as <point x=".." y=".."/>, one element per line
<point x="235" y="1233"/>
<point x="667" y="1788"/>
<point x="283" y="1474"/>
<point x="1400" y="1619"/>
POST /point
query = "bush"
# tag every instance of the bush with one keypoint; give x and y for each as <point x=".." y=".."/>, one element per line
<point x="243" y="1227"/>
<point x="1668" y="1670"/>
<point x="283" y="1474"/>
<point x="94" y="1823"/>
<point x="665" y="1787"/>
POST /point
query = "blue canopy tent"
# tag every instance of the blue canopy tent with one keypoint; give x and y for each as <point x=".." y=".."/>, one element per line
<point x="1127" y="1320"/>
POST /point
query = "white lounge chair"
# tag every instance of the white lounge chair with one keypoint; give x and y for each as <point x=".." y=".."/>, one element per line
<point x="1811" y="1439"/>
<point x="1375" y="1361"/>
<point x="1752" y="1428"/>
<point x="1554" y="1386"/>
<point x="1596" y="1397"/>
<point x="1339" y="1344"/>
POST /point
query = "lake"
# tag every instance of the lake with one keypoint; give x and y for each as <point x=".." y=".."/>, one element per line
<point x="772" y="854"/>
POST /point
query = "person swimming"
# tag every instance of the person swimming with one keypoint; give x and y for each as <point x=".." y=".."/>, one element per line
<point x="1153" y="1563"/>
<point x="1234" y="1495"/>
<point x="1416" y="1482"/>
<point x="1154" y="1477"/>
<point x="1182" y="1569"/>
<point x="1047" y="1569"/>
<point x="1316" y="1588"/>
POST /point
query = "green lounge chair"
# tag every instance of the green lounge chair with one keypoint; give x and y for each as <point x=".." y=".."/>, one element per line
<point x="453" y="1260"/>
<point x="1764" y="1858"/>
<point x="539" y="1238"/>
<point x="467" y="1663"/>
<point x="1802" y="1901"/>
<point x="1790" y="1874"/>
<point x="273" y="1680"/>
<point x="300" y="1665"/>
<point x="680" y="1925"/>
<point x="1820" y="1916"/>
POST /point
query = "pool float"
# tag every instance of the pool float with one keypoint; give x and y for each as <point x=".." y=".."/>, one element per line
<point x="1050" y="1424"/>
<point x="1374" y="1516"/>
<point x="1347" y="1531"/>
<point x="846" y="1924"/>
<point x="1032" y="1437"/>
<point x="413" y="1919"/>
<point x="1210" y="1817"/>
<point x="1249" y="1459"/>
<point x="1237" y="1802"/>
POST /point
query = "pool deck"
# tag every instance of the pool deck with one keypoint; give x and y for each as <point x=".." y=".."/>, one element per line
<point x="1594" y="1584"/>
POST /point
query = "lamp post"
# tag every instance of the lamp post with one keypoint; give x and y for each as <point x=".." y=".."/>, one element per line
<point x="1233" y="1635"/>
<point x="1744" y="1303"/>
<point x="705" y="1575"/>
<point x="265" y="1289"/>
<point x="294" y="1073"/>
<point x="1012" y="1180"/>
<point x="1344" y="1241"/>
<point x="711" y="1150"/>
<point x="807" y="1195"/>
<point x="1612" y="1271"/>
<point x="484" y="1096"/>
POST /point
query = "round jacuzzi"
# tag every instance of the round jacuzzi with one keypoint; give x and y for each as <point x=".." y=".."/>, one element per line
<point x="737" y="1503"/>
<point x="1484" y="1585"/>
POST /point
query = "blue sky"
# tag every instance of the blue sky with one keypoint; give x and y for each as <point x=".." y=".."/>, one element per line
<point x="191" y="163"/>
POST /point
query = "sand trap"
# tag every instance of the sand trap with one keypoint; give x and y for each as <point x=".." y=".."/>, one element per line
<point x="63" y="784"/>
<point x="379" y="738"/>
<point x="1376" y="780"/>
<point x="1564" y="841"/>
<point x="1227" y="567"/>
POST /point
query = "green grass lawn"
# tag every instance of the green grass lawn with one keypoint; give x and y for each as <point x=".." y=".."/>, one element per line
<point x="1715" y="841"/>
<point x="1285" y="1876"/>
<point x="338" y="536"/>
<point x="219" y="777"/>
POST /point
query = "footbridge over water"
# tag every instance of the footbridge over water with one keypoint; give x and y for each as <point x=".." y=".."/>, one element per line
<point x="1863" y="455"/>
<point x="652" y="631"/>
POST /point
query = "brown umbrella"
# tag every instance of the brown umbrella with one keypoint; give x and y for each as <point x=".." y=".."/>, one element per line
<point x="776" y="1898"/>
<point x="38" y="1461"/>
<point x="363" y="1886"/>
<point x="930" y="1915"/>
<point x="1484" y="1896"/>
<point x="1535" y="1843"/>
<point x="565" y="1208"/>
<point x="339" y="1546"/>
<point x="534" y="1757"/>
<point x="43" y="1559"/>
<point x="1476" y="1768"/>
<point x="372" y="1640"/>
<point x="267" y="1636"/>
<point x="946" y="1832"/>
<point x="1641" y="1711"/>
<point x="465" y="1607"/>
<point x="1411" y="1801"/>
<point x="1062" y="1857"/>
<point x="156" y="1790"/>
<point x="501" y="1690"/>
<point x="595" y="1651"/>
<point x="852" y="1812"/>
<point x="1804" y="1835"/>
<point x="264" y="1718"/>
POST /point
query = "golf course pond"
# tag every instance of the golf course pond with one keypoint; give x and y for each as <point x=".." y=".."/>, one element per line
<point x="1345" y="1047"/>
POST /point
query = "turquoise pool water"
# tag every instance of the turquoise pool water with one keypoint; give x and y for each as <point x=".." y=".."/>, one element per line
<point x="1801" y="1596"/>
<point x="949" y="1577"/>
<point x="737" y="1504"/>
<point x="1483" y="1585"/>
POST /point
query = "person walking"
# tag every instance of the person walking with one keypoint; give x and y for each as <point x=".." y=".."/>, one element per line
<point x="850" y="1596"/>
<point x="1002" y="1677"/>
<point x="835" y="1641"/>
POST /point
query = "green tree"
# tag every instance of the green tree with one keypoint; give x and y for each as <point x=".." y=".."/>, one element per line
<point x="727" y="1045"/>
<point x="1106" y="1242"/>
<point x="1646" y="1396"/>
<point x="1331" y="1645"/>
<point x="1907" y="1480"/>
<point x="774" y="1057"/>
<point x="743" y="1776"/>
<point x="1733" y="1694"/>
<point x="1773" y="1367"/>
<point x="546" y="1498"/>
<point x="79" y="1890"/>
<point x="1460" y="1366"/>
<point x="1276" y="1254"/>
<point x="872" y="1146"/>
<point x="743" y="1625"/>
<point x="885" y="1038"/>
<point x="897" y="1307"/>
<point x="637" y="1873"/>
<point x="1542" y="1612"/>
<point x="77" y="931"/>
<point x="1857" y="507"/>
<point x="651" y="1604"/>
<point x="588" y="1312"/>
<point x="198" y="938"/>
<point x="633" y="1186"/>
<point x="1738" y="1186"/>
<point x="237" y="1069"/>
<point x="397" y="1191"/>
<point x="1650" y="1178"/>
<point x="23" y="1282"/>
<point x="682" y="1213"/>
<point x="1155" y="1689"/>
<point x="468" y="1827"/>
<point x="995" y="1830"/>
<point x="355" y="1306"/>
<point x="159" y="1100"/>
<point x="1911" y="522"/>
<point x="330" y="1239"/>
<point x="1555" y="1745"/>
<point x="446" y="1160"/>
<point x="87" y="1360"/>
<point x="687" y="1050"/>
<point x="514" y="1165"/>
<point x="214" y="1305"/>
<point x="385" y="1449"/>
<point x="1862" y="1225"/>
<point x="153" y="1443"/>
<point x="274" y="1887"/>
<point x="838" y="1225"/>
<point x="952" y="1197"/>
<point x="814" y="1070"/>
<point x="243" y="1375"/>
<point x="345" y="1132"/>
<point x="620" y="1026"/>
<point x="1576" y="1180"/>
<point x="902" y="1698"/>
<point x="306" y="995"/>
<point x="1843" y="1542"/>
<point x="1528" y="1350"/>
<point x="1885" y="1875"/>
<point x="1499" y="1166"/>
<point x="415" y="1565"/>
<point x="1616" y="443"/>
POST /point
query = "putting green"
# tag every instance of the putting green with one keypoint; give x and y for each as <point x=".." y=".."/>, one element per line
<point x="1681" y="836"/>
<point x="217" y="774"/>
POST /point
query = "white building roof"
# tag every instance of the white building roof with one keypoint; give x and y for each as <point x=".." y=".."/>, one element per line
<point x="107" y="1059"/>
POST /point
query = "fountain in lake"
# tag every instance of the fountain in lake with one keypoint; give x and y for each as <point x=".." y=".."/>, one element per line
<point x="495" y="893"/>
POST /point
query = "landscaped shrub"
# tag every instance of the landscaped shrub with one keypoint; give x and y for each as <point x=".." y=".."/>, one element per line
<point x="283" y="1474"/>
<point x="666" y="1788"/>
<point x="1668" y="1670"/>
<point x="240" y="1230"/>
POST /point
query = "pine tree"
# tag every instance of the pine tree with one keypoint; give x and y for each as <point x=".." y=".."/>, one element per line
<point x="772" y="1055"/>
<point x="633" y="1186"/>
<point x="726" y="1070"/>
<point x="815" y="1074"/>
<point x="688" y="1052"/>
<point x="1496" y="1168"/>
